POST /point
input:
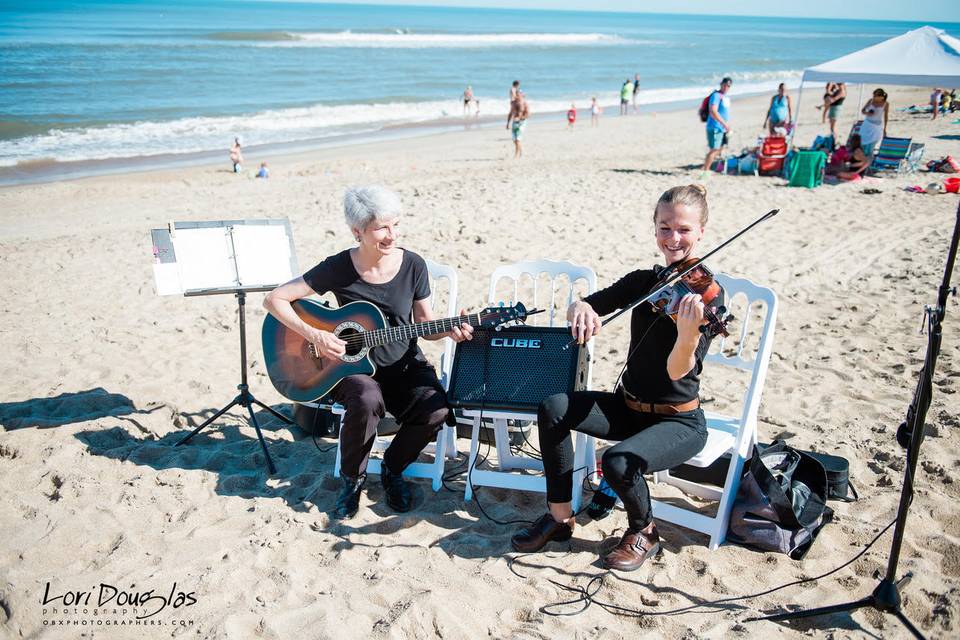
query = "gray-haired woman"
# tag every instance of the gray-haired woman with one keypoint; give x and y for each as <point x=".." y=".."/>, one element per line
<point x="378" y="271"/>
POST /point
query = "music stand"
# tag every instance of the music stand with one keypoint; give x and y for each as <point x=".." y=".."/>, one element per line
<point x="220" y="257"/>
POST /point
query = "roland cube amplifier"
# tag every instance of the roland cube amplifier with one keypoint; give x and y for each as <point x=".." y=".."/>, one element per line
<point x="515" y="368"/>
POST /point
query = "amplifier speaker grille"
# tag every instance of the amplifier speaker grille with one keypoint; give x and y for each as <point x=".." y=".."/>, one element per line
<point x="515" y="368"/>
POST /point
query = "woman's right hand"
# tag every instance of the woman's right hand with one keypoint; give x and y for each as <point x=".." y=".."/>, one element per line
<point x="584" y="321"/>
<point x="327" y="344"/>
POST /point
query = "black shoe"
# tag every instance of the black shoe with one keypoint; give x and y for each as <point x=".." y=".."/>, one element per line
<point x="349" y="499"/>
<point x="396" y="489"/>
<point x="536" y="536"/>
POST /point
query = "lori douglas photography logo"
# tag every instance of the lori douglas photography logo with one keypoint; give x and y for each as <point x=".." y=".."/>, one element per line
<point x="107" y="605"/>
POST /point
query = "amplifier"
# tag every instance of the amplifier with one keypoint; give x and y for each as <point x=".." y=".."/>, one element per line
<point x="515" y="368"/>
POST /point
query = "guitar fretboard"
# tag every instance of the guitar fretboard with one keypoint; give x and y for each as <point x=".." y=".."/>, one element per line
<point x="407" y="331"/>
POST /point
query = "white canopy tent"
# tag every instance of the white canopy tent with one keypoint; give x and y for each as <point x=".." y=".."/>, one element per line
<point x="924" y="57"/>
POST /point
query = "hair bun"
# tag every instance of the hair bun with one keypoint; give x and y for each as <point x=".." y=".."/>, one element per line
<point x="699" y="187"/>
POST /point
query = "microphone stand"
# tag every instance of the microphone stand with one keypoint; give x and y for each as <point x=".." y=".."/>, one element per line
<point x="886" y="596"/>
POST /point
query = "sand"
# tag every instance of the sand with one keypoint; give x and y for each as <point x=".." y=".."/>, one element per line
<point x="101" y="376"/>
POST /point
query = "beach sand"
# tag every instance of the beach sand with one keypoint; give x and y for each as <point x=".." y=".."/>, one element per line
<point x="101" y="376"/>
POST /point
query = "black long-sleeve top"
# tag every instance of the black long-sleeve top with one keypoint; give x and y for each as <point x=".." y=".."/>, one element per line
<point x="652" y="336"/>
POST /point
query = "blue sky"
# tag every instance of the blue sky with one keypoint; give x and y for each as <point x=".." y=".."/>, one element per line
<point x="911" y="10"/>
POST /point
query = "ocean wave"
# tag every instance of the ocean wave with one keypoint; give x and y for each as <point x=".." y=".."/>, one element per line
<point x="250" y="36"/>
<point x="401" y="39"/>
<point x="303" y="124"/>
<point x="761" y="76"/>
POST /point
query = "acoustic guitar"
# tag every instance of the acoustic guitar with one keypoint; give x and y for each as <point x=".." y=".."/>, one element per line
<point x="300" y="374"/>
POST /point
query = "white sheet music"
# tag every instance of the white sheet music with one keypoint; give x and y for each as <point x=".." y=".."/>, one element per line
<point x="263" y="254"/>
<point x="222" y="255"/>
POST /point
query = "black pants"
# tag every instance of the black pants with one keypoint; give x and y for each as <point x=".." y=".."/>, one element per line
<point x="648" y="442"/>
<point x="411" y="392"/>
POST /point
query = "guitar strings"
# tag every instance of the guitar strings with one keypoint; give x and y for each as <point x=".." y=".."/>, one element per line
<point x="360" y="338"/>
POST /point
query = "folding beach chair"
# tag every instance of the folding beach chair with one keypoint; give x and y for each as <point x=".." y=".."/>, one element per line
<point x="891" y="156"/>
<point x="770" y="156"/>
<point x="854" y="130"/>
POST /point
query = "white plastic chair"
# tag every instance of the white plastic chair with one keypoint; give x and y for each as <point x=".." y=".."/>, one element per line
<point x="735" y="435"/>
<point x="559" y="274"/>
<point x="447" y="437"/>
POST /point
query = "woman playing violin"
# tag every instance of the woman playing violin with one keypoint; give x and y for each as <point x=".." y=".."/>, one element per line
<point x="655" y="411"/>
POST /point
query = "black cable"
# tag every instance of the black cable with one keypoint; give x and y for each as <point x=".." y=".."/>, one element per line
<point x="587" y="592"/>
<point x="323" y="449"/>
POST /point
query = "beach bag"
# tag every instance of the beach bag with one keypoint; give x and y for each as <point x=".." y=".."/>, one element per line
<point x="747" y="164"/>
<point x="945" y="165"/>
<point x="837" y="469"/>
<point x="781" y="504"/>
<point x="704" y="111"/>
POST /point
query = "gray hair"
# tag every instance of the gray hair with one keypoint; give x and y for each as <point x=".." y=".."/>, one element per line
<point x="363" y="205"/>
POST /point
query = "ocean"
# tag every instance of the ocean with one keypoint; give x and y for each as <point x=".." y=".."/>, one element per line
<point x="109" y="81"/>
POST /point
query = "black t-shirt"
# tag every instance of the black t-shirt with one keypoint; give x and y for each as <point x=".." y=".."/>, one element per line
<point x="652" y="336"/>
<point x="395" y="298"/>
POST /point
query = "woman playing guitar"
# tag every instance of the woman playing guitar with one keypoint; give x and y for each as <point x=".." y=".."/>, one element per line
<point x="405" y="384"/>
<point x="654" y="413"/>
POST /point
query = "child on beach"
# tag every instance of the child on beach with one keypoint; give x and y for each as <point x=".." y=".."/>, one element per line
<point x="236" y="157"/>
<point x="264" y="172"/>
<point x="595" y="111"/>
<point x="571" y="116"/>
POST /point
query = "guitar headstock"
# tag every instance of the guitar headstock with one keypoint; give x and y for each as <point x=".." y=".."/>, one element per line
<point x="497" y="317"/>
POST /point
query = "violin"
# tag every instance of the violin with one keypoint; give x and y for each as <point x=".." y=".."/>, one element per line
<point x="698" y="280"/>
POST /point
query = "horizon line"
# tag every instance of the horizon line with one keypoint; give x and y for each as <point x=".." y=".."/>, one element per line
<point x="387" y="3"/>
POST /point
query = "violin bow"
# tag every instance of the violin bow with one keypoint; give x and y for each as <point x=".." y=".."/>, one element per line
<point x="672" y="278"/>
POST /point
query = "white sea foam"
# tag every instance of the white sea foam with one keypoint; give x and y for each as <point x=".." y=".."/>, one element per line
<point x="191" y="135"/>
<point x="406" y="40"/>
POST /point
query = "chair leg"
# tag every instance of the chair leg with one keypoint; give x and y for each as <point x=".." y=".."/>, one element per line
<point x="438" y="459"/>
<point x="474" y="448"/>
<point x="336" y="465"/>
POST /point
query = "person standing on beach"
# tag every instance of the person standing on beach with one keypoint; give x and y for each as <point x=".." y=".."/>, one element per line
<point x="595" y="111"/>
<point x="468" y="97"/>
<point x="517" y="121"/>
<point x="571" y="116"/>
<point x="833" y="97"/>
<point x="654" y="413"/>
<point x="396" y="281"/>
<point x="625" y="92"/>
<point x="935" y="99"/>
<point x="514" y="93"/>
<point x="236" y="156"/>
<point x="718" y="121"/>
<point x="780" y="111"/>
<point x="636" y="90"/>
<point x="874" y="127"/>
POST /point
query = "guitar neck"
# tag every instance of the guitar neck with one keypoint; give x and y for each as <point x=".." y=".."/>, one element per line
<point x="421" y="329"/>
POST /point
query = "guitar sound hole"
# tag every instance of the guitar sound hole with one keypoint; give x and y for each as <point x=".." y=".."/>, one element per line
<point x="355" y="345"/>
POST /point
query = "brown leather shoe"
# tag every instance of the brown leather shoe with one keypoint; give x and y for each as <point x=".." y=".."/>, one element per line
<point x="633" y="549"/>
<point x="536" y="536"/>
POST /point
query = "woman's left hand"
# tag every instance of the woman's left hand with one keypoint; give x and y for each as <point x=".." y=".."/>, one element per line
<point x="463" y="332"/>
<point x="690" y="317"/>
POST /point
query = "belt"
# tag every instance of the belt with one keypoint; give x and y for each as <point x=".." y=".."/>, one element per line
<point x="662" y="409"/>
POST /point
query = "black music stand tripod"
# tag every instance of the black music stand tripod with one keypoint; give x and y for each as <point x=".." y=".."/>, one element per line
<point x="886" y="596"/>
<point x="245" y="399"/>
